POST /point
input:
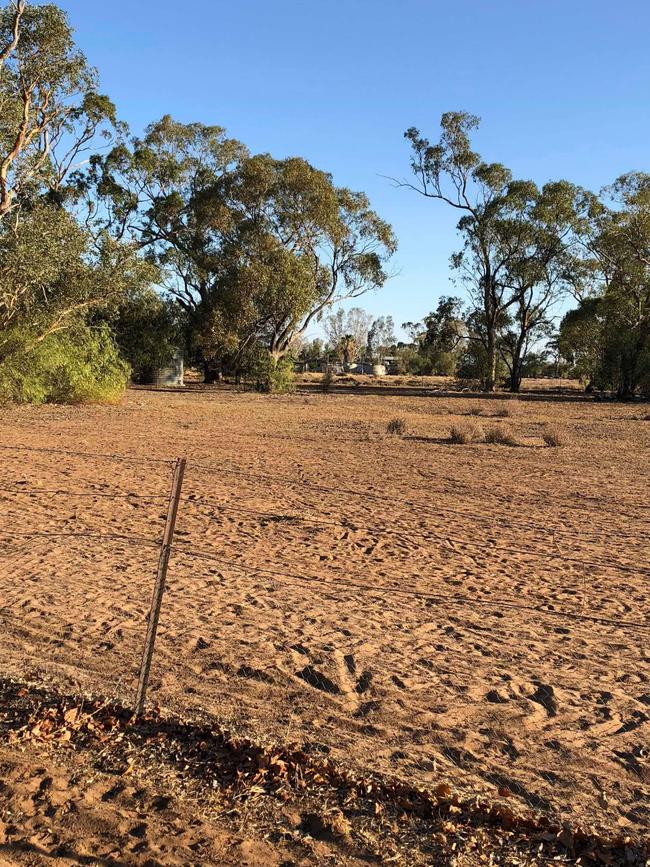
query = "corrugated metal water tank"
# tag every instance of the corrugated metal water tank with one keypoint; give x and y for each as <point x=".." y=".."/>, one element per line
<point x="173" y="373"/>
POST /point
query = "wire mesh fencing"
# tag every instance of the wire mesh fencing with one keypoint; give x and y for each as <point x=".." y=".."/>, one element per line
<point x="358" y="627"/>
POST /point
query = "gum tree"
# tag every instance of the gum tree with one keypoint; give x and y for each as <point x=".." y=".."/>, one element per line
<point x="255" y="248"/>
<point x="451" y="172"/>
<point x="51" y="113"/>
<point x="514" y="239"/>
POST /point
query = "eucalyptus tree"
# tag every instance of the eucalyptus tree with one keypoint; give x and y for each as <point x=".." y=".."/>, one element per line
<point x="543" y="236"/>
<point x="255" y="248"/>
<point x="619" y="241"/>
<point x="351" y="326"/>
<point x="165" y="193"/>
<point x="451" y="172"/>
<point x="53" y="276"/>
<point x="317" y="245"/>
<point x="56" y="276"/>
<point x="51" y="113"/>
<point x="515" y="239"/>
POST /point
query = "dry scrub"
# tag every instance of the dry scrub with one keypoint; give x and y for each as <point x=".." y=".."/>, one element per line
<point x="506" y="408"/>
<point x="464" y="433"/>
<point x="397" y="427"/>
<point x="554" y="437"/>
<point x="500" y="435"/>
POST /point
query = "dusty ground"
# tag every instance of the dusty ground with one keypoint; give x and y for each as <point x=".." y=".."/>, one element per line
<point x="471" y="613"/>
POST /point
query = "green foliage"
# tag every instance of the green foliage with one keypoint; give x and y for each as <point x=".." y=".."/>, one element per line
<point x="53" y="282"/>
<point x="50" y="109"/>
<point x="607" y="337"/>
<point x="515" y="240"/>
<point x="312" y="350"/>
<point x="410" y="360"/>
<point x="580" y="339"/>
<point x="272" y="375"/>
<point x="440" y="339"/>
<point x="281" y="378"/>
<point x="147" y="331"/>
<point x="78" y="366"/>
<point x="327" y="381"/>
<point x="255" y="248"/>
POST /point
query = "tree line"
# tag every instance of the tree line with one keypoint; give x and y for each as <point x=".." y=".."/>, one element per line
<point x="115" y="248"/>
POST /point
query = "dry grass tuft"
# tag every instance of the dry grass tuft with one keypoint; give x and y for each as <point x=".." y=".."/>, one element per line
<point x="475" y="408"/>
<point x="555" y="438"/>
<point x="397" y="427"/>
<point x="506" y="408"/>
<point x="501" y="435"/>
<point x="465" y="433"/>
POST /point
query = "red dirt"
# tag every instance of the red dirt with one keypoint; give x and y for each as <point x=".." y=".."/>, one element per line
<point x="471" y="613"/>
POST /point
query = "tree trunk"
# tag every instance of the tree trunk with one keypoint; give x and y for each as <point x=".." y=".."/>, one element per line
<point x="516" y="370"/>
<point x="211" y="371"/>
<point x="491" y="372"/>
<point x="515" y="376"/>
<point x="625" y="390"/>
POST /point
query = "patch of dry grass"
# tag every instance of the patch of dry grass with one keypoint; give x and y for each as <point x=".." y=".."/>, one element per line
<point x="506" y="408"/>
<point x="500" y="435"/>
<point x="397" y="427"/>
<point x="555" y="437"/>
<point x="466" y="432"/>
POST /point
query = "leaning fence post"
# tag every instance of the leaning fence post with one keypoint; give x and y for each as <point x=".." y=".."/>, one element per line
<point x="159" y="586"/>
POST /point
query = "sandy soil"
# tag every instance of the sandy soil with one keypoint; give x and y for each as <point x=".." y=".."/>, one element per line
<point x="472" y="613"/>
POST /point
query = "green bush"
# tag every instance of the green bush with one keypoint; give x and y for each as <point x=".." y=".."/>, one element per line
<point x="147" y="332"/>
<point x="273" y="377"/>
<point x="80" y="366"/>
<point x="327" y="381"/>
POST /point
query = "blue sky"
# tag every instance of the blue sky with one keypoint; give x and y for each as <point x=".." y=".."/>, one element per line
<point x="562" y="87"/>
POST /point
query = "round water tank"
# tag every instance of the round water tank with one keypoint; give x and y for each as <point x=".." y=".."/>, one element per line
<point x="378" y="370"/>
<point x="172" y="374"/>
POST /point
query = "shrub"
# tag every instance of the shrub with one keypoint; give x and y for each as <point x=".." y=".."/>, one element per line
<point x="274" y="377"/>
<point x="397" y="427"/>
<point x="500" y="435"/>
<point x="554" y="437"/>
<point x="147" y="331"/>
<point x="327" y="381"/>
<point x="506" y="409"/>
<point x="466" y="432"/>
<point x="79" y="366"/>
<point x="475" y="409"/>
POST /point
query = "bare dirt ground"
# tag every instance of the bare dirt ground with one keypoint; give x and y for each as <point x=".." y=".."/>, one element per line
<point x="475" y="614"/>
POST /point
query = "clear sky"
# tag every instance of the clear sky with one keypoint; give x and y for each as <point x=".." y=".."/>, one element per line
<point x="562" y="87"/>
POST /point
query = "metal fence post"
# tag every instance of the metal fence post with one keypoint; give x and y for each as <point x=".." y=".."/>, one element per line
<point x="159" y="586"/>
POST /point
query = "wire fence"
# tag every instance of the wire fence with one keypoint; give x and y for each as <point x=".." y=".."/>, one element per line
<point x="363" y="631"/>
